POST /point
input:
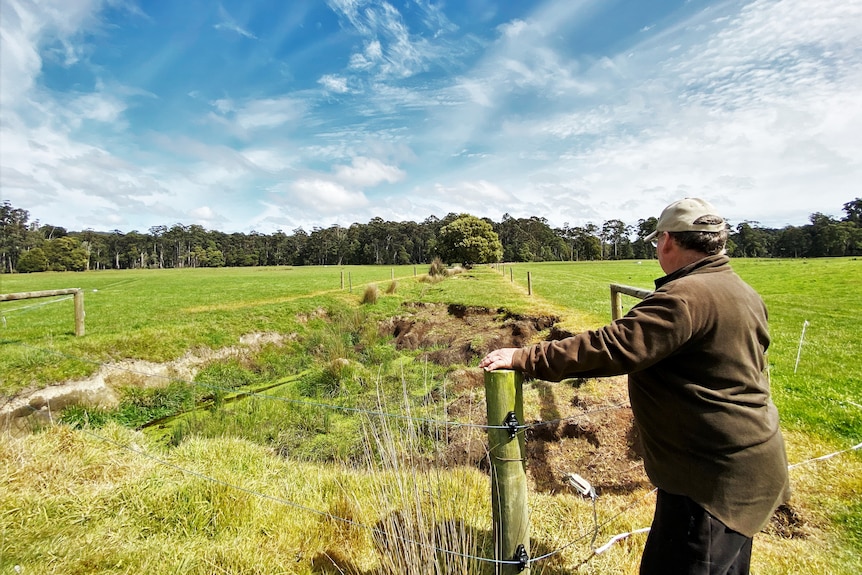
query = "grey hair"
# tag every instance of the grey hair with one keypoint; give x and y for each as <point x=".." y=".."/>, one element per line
<point x="709" y="243"/>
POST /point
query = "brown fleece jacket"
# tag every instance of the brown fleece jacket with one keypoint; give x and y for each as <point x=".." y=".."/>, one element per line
<point x="694" y="351"/>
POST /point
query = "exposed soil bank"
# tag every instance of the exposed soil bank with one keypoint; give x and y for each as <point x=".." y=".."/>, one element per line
<point x="28" y="411"/>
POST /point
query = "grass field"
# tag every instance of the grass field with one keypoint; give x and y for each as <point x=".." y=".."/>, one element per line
<point x="238" y="491"/>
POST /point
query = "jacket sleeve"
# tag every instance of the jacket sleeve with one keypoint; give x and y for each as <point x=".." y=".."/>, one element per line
<point x="654" y="329"/>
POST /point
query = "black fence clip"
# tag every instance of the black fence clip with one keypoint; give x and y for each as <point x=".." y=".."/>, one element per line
<point x="512" y="423"/>
<point x="522" y="557"/>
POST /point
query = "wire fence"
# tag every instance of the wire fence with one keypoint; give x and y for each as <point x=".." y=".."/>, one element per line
<point x="521" y="428"/>
<point x="8" y="312"/>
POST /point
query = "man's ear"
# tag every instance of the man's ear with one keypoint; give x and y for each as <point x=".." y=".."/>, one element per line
<point x="666" y="244"/>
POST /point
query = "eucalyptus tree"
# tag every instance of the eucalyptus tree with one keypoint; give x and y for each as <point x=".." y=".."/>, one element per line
<point x="158" y="233"/>
<point x="644" y="227"/>
<point x="615" y="236"/>
<point x="13" y="234"/>
<point x="792" y="242"/>
<point x="853" y="211"/>
<point x="752" y="241"/>
<point x="828" y="236"/>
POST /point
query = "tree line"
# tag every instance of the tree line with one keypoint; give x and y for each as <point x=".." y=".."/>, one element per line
<point x="27" y="246"/>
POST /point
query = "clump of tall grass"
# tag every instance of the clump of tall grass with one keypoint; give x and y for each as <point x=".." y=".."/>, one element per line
<point x="430" y="523"/>
<point x="392" y="287"/>
<point x="437" y="268"/>
<point x="370" y="295"/>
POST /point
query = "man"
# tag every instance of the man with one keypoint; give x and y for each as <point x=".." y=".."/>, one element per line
<point x="694" y="351"/>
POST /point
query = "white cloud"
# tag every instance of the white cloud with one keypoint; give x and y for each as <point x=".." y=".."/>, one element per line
<point x="366" y="172"/>
<point x="204" y="213"/>
<point x="324" y="196"/>
<point x="261" y="114"/>
<point x="269" y="113"/>
<point x="333" y="83"/>
<point x="269" y="159"/>
<point x="476" y="197"/>
<point x="391" y="50"/>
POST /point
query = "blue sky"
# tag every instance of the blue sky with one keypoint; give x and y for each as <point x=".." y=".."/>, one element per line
<point x="241" y="115"/>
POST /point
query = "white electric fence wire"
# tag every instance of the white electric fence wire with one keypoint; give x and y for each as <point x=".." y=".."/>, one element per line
<point x="587" y="534"/>
<point x="825" y="457"/>
<point x="618" y="537"/>
<point x="805" y="324"/>
<point x="31" y="306"/>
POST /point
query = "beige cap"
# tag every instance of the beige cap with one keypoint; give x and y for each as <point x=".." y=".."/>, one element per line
<point x="681" y="216"/>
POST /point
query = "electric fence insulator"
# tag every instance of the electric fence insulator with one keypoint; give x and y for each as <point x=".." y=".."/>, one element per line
<point x="512" y="423"/>
<point x="522" y="557"/>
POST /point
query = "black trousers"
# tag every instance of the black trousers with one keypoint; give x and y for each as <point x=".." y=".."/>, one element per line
<point x="686" y="540"/>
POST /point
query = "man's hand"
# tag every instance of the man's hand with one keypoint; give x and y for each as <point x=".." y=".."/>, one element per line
<point x="498" y="359"/>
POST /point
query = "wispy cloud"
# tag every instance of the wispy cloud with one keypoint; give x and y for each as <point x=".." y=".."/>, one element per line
<point x="391" y="49"/>
<point x="227" y="23"/>
<point x="255" y="115"/>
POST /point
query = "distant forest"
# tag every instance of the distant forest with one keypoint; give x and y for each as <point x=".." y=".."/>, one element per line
<point x="27" y="246"/>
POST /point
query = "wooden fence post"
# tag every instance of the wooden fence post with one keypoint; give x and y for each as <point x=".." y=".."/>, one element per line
<point x="529" y="283"/>
<point x="79" y="313"/>
<point x="342" y="279"/>
<point x="617" y="301"/>
<point x="504" y="398"/>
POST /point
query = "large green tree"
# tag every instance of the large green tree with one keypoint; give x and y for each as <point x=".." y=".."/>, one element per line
<point x="66" y="254"/>
<point x="469" y="240"/>
<point x="32" y="261"/>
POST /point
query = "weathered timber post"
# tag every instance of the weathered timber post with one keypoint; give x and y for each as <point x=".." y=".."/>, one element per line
<point x="342" y="279"/>
<point x="79" y="313"/>
<point x="505" y="405"/>
<point x="529" y="283"/>
<point x="392" y="274"/>
<point x="617" y="301"/>
<point x="512" y="275"/>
